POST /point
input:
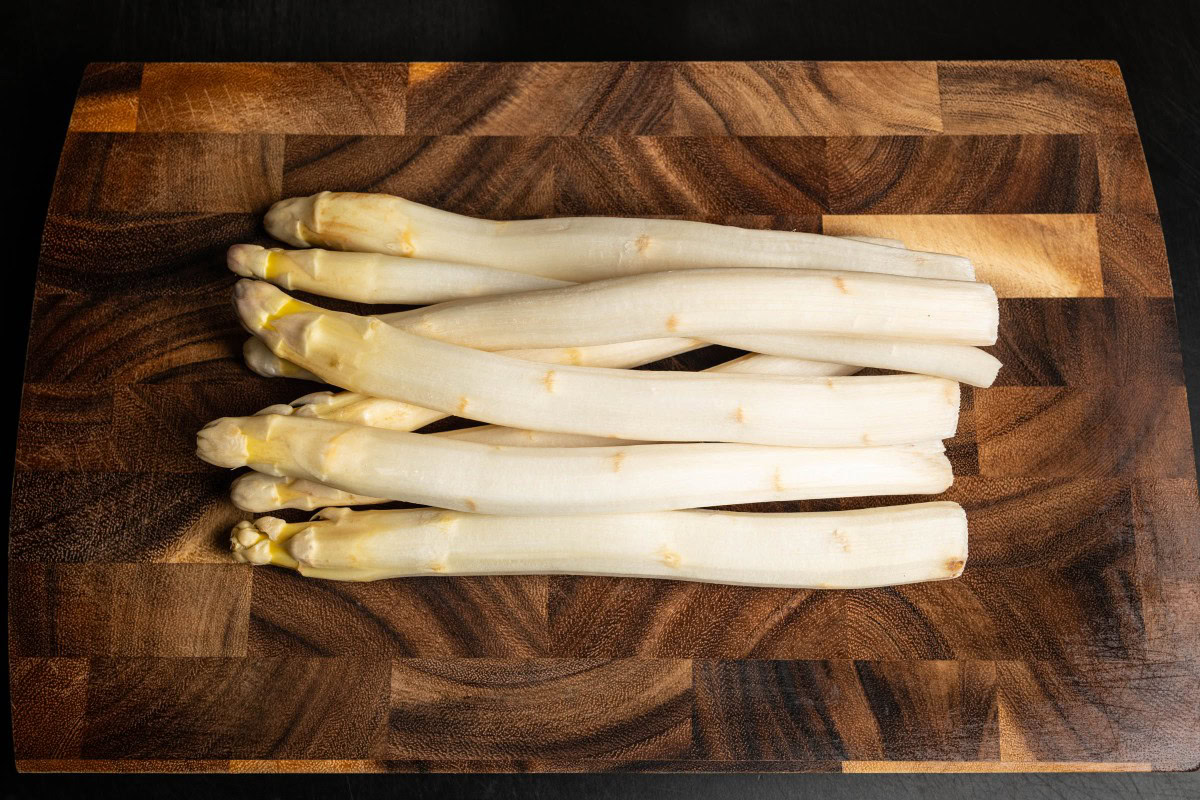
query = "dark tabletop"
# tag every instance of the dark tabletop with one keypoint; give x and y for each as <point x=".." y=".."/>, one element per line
<point x="1157" y="45"/>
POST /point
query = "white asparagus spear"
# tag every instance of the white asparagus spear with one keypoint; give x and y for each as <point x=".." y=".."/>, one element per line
<point x="825" y="550"/>
<point x="258" y="492"/>
<point x="467" y="476"/>
<point x="954" y="362"/>
<point x="365" y="355"/>
<point x="262" y="361"/>
<point x="378" y="278"/>
<point x="578" y="248"/>
<point x="712" y="303"/>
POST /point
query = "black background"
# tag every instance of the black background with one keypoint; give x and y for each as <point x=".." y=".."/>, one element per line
<point x="48" y="42"/>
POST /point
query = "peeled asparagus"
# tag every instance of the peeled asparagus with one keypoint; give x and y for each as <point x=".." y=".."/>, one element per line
<point x="954" y="362"/>
<point x="578" y="248"/>
<point x="378" y="278"/>
<point x="713" y="303"/>
<point x="257" y="492"/>
<point x="826" y="550"/>
<point x="467" y="476"/>
<point x="366" y="355"/>
<point x="261" y="360"/>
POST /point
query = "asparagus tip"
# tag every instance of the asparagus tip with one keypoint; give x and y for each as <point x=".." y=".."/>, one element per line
<point x="291" y="220"/>
<point x="247" y="260"/>
<point x="222" y="443"/>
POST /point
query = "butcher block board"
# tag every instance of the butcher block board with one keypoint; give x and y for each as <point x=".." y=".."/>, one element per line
<point x="1070" y="643"/>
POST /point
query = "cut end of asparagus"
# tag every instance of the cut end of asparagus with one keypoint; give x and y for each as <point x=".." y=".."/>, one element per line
<point x="223" y="443"/>
<point x="294" y="221"/>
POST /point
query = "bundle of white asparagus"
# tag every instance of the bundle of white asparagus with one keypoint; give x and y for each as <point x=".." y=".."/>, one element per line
<point x="585" y="466"/>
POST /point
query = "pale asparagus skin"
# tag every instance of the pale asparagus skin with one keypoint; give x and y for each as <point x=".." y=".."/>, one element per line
<point x="258" y="492"/>
<point x="378" y="278"/>
<point x="365" y="355"/>
<point x="578" y="248"/>
<point x="816" y="550"/>
<point x="262" y="361"/>
<point x="712" y="303"/>
<point x="954" y="362"/>
<point x="466" y="476"/>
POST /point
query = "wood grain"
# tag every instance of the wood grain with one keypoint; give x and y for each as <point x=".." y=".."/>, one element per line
<point x="168" y="172"/>
<point x="555" y="708"/>
<point x="1068" y="644"/>
<point x="499" y="617"/>
<point x="842" y="710"/>
<point x="488" y="99"/>
<point x="809" y="98"/>
<point x="276" y="98"/>
<point x="1033" y="97"/>
<point x="1020" y="255"/>
<point x="108" y="98"/>
<point x="1027" y="174"/>
<point x="210" y="708"/>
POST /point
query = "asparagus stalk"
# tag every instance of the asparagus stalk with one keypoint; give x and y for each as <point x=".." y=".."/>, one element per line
<point x="258" y="493"/>
<point x="712" y="303"/>
<point x="368" y="356"/>
<point x="954" y="362"/>
<point x="827" y="550"/>
<point x="467" y="476"/>
<point x="578" y="248"/>
<point x="378" y="278"/>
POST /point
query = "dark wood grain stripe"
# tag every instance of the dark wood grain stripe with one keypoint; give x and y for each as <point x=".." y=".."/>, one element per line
<point x="1033" y="97"/>
<point x="500" y="617"/>
<point x="806" y="98"/>
<point x="221" y="708"/>
<point x="1027" y="431"/>
<point x="963" y="175"/>
<point x="551" y="708"/>
<point x="146" y="173"/>
<point x="1088" y="342"/>
<point x="49" y="698"/>
<point x="130" y="609"/>
<point x="839" y="710"/>
<point x="536" y="99"/>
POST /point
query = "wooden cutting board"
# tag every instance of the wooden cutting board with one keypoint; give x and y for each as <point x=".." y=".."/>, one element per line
<point x="1069" y="643"/>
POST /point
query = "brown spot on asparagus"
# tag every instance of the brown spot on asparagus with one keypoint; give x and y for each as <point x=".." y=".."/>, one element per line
<point x="548" y="380"/>
<point x="463" y="402"/>
<point x="641" y="243"/>
<point x="574" y="356"/>
<point x="437" y="567"/>
<point x="669" y="557"/>
<point x="673" y="323"/>
<point x="866" y="439"/>
<point x="840" y="537"/>
<point x="841" y="284"/>
<point x="829" y="382"/>
<point x="617" y="458"/>
<point x="954" y="567"/>
<point x="470" y="504"/>
<point x="740" y="414"/>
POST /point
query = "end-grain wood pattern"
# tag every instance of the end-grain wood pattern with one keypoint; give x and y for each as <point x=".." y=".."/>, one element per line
<point x="1069" y="643"/>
